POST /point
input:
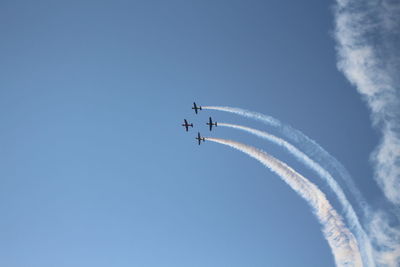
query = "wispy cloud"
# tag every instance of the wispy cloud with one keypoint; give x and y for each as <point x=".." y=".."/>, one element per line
<point x="368" y="47"/>
<point x="367" y="33"/>
<point x="341" y="241"/>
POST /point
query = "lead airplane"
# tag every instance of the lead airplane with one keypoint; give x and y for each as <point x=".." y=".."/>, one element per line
<point x="199" y="138"/>
<point x="186" y="125"/>
<point x="210" y="123"/>
<point x="195" y="107"/>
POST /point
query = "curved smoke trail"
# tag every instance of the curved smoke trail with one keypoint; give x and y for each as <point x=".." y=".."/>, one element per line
<point x="351" y="216"/>
<point x="309" y="146"/>
<point x="341" y="241"/>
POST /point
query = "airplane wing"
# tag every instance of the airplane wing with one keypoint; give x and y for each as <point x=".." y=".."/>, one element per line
<point x="194" y="107"/>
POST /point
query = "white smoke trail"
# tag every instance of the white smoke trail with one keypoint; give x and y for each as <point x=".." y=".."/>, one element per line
<point x="341" y="241"/>
<point x="311" y="148"/>
<point x="352" y="218"/>
<point x="368" y="39"/>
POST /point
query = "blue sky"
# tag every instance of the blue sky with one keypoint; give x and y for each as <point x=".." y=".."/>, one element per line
<point x="95" y="169"/>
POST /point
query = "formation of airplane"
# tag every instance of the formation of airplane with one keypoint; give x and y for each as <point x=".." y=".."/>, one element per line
<point x="210" y="123"/>
<point x="199" y="138"/>
<point x="186" y="125"/>
<point x="195" y="107"/>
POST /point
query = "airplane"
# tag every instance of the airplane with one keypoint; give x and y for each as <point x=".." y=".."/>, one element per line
<point x="186" y="125"/>
<point x="211" y="124"/>
<point x="195" y="107"/>
<point x="199" y="138"/>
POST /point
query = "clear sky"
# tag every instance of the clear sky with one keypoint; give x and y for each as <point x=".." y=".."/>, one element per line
<point x="95" y="169"/>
